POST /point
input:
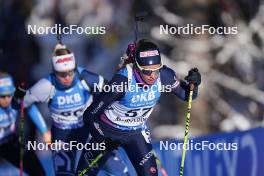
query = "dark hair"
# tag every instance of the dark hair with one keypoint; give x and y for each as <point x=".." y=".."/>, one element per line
<point x="62" y="51"/>
<point x="145" y="44"/>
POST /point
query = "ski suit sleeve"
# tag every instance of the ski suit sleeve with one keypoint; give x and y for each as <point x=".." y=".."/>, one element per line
<point x="104" y="99"/>
<point x="41" y="92"/>
<point x="37" y="118"/>
<point x="178" y="87"/>
<point x="94" y="81"/>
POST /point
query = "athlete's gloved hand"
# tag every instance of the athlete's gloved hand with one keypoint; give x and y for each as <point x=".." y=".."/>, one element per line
<point x="194" y="77"/>
<point x="111" y="144"/>
<point x="20" y="91"/>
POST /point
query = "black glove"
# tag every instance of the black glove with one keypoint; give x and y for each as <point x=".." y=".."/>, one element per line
<point x="111" y="144"/>
<point x="194" y="77"/>
<point x="20" y="92"/>
<point x="18" y="95"/>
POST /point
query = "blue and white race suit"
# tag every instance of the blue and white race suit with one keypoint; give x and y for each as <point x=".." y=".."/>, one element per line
<point x="66" y="105"/>
<point x="121" y="115"/>
<point x="9" y="143"/>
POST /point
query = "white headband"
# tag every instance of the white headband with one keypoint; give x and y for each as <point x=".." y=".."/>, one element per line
<point x="64" y="62"/>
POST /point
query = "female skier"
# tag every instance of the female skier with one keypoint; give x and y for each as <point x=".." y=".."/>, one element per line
<point x="118" y="117"/>
<point x="68" y="91"/>
<point x="9" y="142"/>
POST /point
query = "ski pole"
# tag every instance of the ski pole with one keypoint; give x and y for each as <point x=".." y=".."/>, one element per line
<point x="59" y="38"/>
<point x="21" y="136"/>
<point x="187" y="126"/>
<point x="113" y="145"/>
<point x="91" y="164"/>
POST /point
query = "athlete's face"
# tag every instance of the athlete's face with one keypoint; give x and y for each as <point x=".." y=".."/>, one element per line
<point x="5" y="100"/>
<point x="66" y="77"/>
<point x="150" y="76"/>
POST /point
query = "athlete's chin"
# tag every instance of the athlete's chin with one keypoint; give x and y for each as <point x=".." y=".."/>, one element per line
<point x="66" y="83"/>
<point x="6" y="105"/>
<point x="150" y="82"/>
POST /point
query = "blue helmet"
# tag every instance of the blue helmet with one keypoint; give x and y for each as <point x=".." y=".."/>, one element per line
<point x="6" y="84"/>
<point x="147" y="53"/>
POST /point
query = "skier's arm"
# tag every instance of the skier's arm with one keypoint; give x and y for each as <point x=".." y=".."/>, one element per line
<point x="42" y="91"/>
<point x="94" y="81"/>
<point x="178" y="87"/>
<point x="37" y="118"/>
<point x="104" y="99"/>
<point x="182" y="91"/>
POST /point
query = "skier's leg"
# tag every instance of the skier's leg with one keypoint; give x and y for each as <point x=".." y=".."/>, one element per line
<point x="139" y="151"/>
<point x="115" y="165"/>
<point x="89" y="156"/>
<point x="63" y="160"/>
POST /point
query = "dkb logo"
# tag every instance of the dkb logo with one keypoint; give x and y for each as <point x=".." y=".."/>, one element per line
<point x="69" y="99"/>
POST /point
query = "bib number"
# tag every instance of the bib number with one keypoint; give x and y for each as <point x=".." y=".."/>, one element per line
<point x="135" y="112"/>
<point x="75" y="113"/>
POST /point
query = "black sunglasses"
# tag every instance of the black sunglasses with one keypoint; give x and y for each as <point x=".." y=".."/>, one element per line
<point x="65" y="74"/>
<point x="149" y="72"/>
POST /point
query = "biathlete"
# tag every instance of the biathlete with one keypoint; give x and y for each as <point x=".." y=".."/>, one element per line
<point x="118" y="117"/>
<point x="68" y="92"/>
<point x="9" y="140"/>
